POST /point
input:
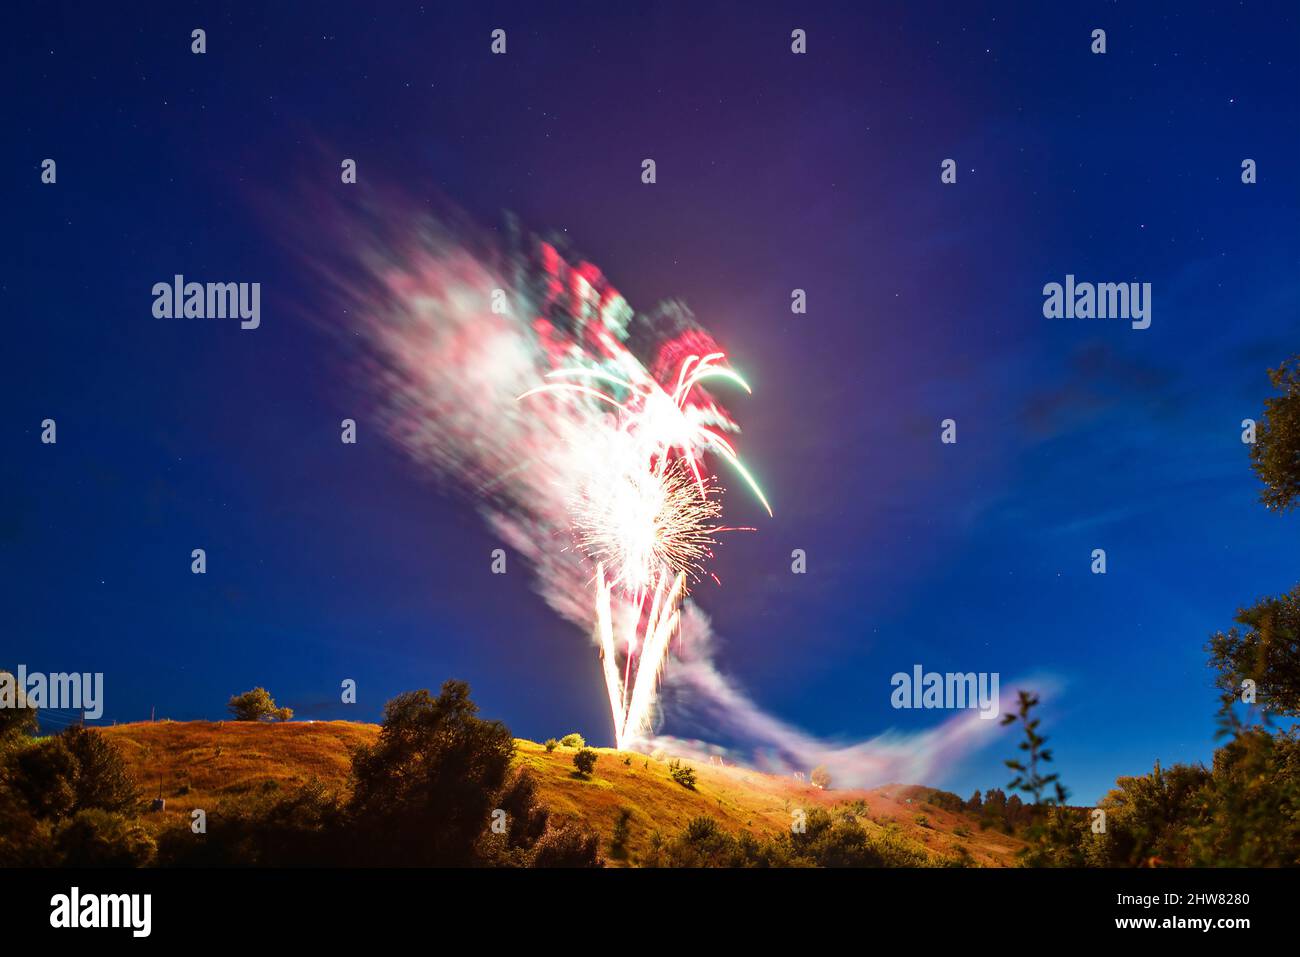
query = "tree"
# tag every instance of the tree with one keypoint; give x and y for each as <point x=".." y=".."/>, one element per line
<point x="573" y="740"/>
<point x="257" y="705"/>
<point x="1250" y="808"/>
<point x="820" y="777"/>
<point x="1267" y="652"/>
<point x="995" y="809"/>
<point x="585" y="761"/>
<point x="1275" y="456"/>
<point x="18" y="720"/>
<point x="1147" y="816"/>
<point x="422" y="795"/>
<point x="102" y="780"/>
<point x="527" y="816"/>
<point x="45" y="774"/>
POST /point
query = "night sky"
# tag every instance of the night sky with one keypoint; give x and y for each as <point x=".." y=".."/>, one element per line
<point x="775" y="171"/>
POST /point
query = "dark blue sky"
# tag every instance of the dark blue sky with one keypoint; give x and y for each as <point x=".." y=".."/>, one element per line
<point x="775" y="171"/>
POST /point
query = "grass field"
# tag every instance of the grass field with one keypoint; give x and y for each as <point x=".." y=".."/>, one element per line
<point x="200" y="764"/>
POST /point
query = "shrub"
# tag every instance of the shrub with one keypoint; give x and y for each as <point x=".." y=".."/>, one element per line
<point x="573" y="740"/>
<point x="682" y="774"/>
<point x="551" y="745"/>
<point x="24" y="840"/>
<point x="820" y="777"/>
<point x="961" y="857"/>
<point x="306" y="829"/>
<point x="566" y="846"/>
<point x="97" y="838"/>
<point x="622" y="831"/>
<point x="858" y="808"/>
<point x="585" y="761"/>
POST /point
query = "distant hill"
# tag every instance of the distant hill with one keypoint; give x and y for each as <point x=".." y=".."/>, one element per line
<point x="205" y="763"/>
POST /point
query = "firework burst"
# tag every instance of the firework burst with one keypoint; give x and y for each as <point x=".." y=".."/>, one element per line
<point x="636" y="522"/>
<point x="644" y="514"/>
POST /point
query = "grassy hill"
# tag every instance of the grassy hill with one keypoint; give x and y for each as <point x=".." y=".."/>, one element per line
<point x="205" y="763"/>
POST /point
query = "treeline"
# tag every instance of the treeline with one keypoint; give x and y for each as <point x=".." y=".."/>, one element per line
<point x="427" y="793"/>
<point x="992" y="809"/>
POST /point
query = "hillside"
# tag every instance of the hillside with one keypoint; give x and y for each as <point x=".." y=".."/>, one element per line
<point x="202" y="763"/>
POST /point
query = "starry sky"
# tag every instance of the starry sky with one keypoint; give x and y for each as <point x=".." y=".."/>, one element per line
<point x="775" y="172"/>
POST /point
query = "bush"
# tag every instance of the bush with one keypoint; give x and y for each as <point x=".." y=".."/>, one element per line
<point x="573" y="740"/>
<point x="97" y="838"/>
<point x="702" y="843"/>
<point x="682" y="774"/>
<point x="551" y="745"/>
<point x="820" y="777"/>
<point x="961" y="857"/>
<point x="306" y="829"/>
<point x="566" y="846"/>
<point x="824" y="842"/>
<point x="24" y="839"/>
<point x="618" y="840"/>
<point x="585" y="761"/>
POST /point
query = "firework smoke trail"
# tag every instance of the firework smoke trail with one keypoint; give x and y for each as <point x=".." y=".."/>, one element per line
<point x="448" y="369"/>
